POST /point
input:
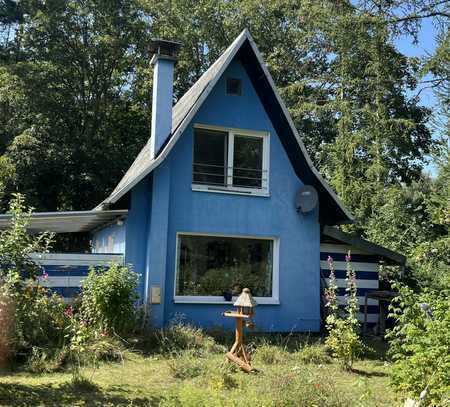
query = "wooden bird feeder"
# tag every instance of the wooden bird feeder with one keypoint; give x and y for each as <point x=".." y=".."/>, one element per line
<point x="245" y="304"/>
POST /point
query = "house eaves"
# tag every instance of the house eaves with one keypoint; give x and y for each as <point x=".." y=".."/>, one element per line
<point x="365" y="245"/>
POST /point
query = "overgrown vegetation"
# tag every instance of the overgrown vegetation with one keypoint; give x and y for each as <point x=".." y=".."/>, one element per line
<point x="342" y="325"/>
<point x="420" y="344"/>
<point x="38" y="329"/>
<point x="108" y="301"/>
<point x="36" y="317"/>
<point x="200" y="376"/>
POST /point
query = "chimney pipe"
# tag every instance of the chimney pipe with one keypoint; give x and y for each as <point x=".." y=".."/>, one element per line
<point x="163" y="60"/>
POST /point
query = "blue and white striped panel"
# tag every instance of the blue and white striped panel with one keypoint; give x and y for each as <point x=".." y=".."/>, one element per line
<point x="366" y="267"/>
<point x="66" y="271"/>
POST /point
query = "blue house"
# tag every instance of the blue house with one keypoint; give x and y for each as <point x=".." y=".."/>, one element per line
<point x="224" y="196"/>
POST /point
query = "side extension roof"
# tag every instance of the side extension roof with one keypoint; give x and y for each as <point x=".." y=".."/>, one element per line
<point x="331" y="210"/>
<point x="388" y="255"/>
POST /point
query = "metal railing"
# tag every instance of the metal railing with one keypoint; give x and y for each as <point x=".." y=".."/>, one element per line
<point x="228" y="176"/>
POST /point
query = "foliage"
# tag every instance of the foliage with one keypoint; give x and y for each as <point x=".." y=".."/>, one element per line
<point x="186" y="365"/>
<point x="269" y="354"/>
<point x="38" y="314"/>
<point x="7" y="324"/>
<point x="17" y="245"/>
<point x="224" y="378"/>
<point x="148" y="380"/>
<point x="37" y="322"/>
<point x="108" y="299"/>
<point x="313" y="354"/>
<point x="75" y="88"/>
<point x="89" y="345"/>
<point x="68" y="113"/>
<point x="180" y="335"/>
<point x="45" y="360"/>
<point x="419" y="343"/>
<point x="343" y="339"/>
<point x="220" y="280"/>
<point x="415" y="221"/>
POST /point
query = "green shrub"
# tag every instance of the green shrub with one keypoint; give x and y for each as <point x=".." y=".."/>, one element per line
<point x="38" y="319"/>
<point x="314" y="354"/>
<point x="108" y="299"/>
<point x="45" y="360"/>
<point x="420" y="343"/>
<point x="89" y="346"/>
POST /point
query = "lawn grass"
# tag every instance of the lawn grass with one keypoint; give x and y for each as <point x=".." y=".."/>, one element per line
<point x="286" y="376"/>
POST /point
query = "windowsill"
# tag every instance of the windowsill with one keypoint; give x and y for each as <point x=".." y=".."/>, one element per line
<point x="230" y="190"/>
<point x="221" y="301"/>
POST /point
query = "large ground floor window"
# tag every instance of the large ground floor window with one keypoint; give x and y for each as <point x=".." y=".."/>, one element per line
<point x="213" y="268"/>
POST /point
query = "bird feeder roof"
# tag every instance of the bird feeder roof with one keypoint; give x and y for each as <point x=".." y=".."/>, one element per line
<point x="245" y="299"/>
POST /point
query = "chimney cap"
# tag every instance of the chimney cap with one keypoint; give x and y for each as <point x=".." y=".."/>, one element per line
<point x="165" y="48"/>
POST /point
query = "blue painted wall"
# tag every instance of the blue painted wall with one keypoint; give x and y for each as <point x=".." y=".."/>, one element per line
<point x="274" y="216"/>
<point x="138" y="229"/>
<point x="110" y="239"/>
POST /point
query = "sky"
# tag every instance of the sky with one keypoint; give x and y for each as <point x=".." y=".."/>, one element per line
<point x="425" y="46"/>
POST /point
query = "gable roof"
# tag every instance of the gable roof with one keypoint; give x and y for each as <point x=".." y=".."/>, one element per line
<point x="243" y="47"/>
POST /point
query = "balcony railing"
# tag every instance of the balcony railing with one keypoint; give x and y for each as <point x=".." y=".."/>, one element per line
<point x="225" y="176"/>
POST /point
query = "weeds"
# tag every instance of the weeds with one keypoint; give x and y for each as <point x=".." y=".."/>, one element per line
<point x="182" y="336"/>
<point x="186" y="365"/>
<point x="81" y="384"/>
<point x="269" y="354"/>
<point x="313" y="354"/>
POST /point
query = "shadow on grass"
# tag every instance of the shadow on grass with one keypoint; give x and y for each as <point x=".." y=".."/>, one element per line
<point x="368" y="374"/>
<point x="18" y="395"/>
<point x="377" y="349"/>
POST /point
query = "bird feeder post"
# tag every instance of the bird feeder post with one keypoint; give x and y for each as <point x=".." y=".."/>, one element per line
<point x="245" y="304"/>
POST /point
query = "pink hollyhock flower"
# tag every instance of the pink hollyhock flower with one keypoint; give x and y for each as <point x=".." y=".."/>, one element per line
<point x="348" y="257"/>
<point x="330" y="260"/>
<point x="44" y="276"/>
<point x="69" y="312"/>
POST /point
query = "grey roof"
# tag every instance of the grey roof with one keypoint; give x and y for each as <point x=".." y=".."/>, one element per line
<point x="183" y="112"/>
<point x="143" y="164"/>
<point x="67" y="222"/>
<point x="365" y="245"/>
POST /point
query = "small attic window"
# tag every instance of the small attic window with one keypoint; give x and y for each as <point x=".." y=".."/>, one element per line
<point x="234" y="86"/>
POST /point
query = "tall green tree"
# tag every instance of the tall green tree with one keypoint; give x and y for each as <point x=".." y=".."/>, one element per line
<point x="69" y="123"/>
<point x="75" y="95"/>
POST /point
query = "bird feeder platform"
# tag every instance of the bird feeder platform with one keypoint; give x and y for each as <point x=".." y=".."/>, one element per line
<point x="237" y="353"/>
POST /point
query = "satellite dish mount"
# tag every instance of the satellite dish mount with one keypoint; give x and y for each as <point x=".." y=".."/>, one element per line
<point x="306" y="199"/>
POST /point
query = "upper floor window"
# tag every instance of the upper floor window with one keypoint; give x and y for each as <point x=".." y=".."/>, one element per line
<point x="234" y="86"/>
<point x="231" y="160"/>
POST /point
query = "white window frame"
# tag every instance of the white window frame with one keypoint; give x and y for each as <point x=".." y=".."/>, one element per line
<point x="230" y="189"/>
<point x="213" y="299"/>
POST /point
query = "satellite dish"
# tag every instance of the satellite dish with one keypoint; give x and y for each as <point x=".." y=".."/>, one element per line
<point x="306" y="199"/>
